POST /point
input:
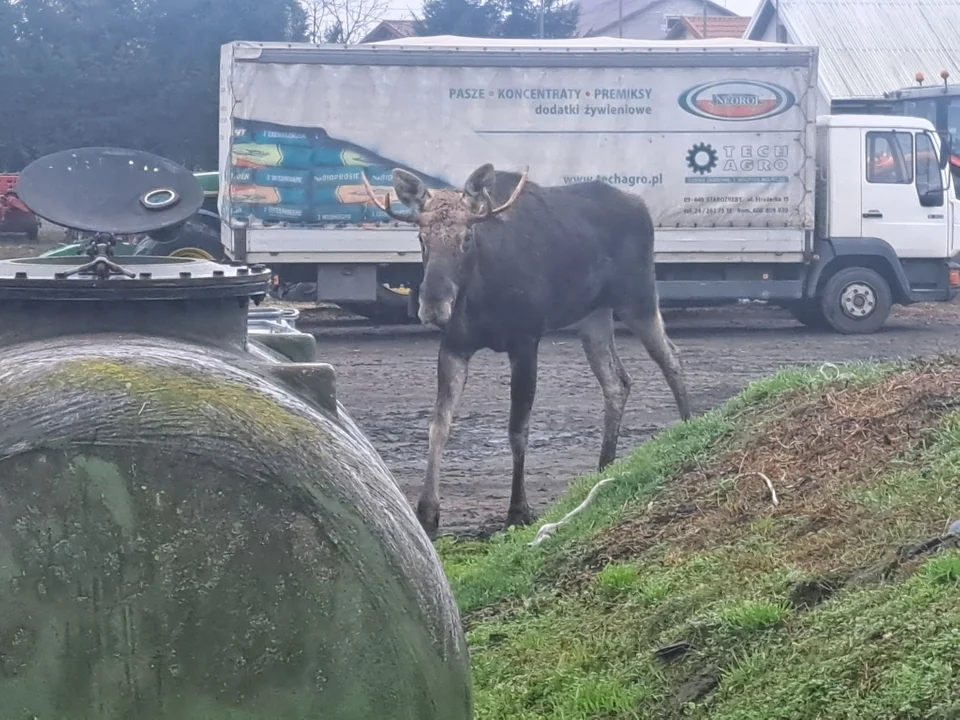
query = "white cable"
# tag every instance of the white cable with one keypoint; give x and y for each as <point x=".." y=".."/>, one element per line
<point x="547" y="529"/>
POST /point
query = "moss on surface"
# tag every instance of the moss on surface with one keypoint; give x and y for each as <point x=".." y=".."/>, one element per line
<point x="178" y="387"/>
<point x="180" y="538"/>
<point x="684" y="591"/>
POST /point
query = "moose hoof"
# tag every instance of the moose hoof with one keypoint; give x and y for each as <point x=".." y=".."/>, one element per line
<point x="520" y="517"/>
<point x="429" y="517"/>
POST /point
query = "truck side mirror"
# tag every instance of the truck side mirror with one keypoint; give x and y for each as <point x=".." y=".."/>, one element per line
<point x="932" y="198"/>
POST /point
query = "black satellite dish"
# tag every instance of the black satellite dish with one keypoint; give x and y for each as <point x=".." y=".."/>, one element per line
<point x="110" y="190"/>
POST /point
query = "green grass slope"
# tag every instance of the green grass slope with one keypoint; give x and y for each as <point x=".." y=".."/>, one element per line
<point x="686" y="591"/>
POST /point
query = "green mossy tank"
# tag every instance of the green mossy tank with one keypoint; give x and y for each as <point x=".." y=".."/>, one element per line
<point x="193" y="530"/>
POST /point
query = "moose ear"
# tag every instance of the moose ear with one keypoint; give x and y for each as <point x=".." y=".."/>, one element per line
<point x="481" y="179"/>
<point x="410" y="189"/>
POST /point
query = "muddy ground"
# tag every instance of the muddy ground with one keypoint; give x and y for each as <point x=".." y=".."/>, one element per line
<point x="386" y="378"/>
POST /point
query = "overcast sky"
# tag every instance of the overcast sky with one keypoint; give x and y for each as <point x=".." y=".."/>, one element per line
<point x="401" y="8"/>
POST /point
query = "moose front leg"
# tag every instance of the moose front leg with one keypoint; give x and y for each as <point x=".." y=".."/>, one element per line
<point x="451" y="378"/>
<point x="523" y="389"/>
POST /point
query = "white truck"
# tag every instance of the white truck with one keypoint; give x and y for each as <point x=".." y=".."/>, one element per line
<point x="837" y="218"/>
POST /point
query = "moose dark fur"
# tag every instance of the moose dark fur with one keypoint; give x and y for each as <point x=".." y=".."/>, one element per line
<point x="505" y="261"/>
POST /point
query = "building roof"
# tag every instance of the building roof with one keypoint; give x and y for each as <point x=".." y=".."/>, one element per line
<point x="717" y="27"/>
<point x="598" y="16"/>
<point x="562" y="45"/>
<point x="868" y="47"/>
<point x="391" y="29"/>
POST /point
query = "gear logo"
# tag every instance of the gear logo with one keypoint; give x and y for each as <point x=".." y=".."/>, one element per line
<point x="702" y="158"/>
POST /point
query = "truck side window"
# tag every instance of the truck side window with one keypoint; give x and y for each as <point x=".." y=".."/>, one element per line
<point x="929" y="179"/>
<point x="890" y="157"/>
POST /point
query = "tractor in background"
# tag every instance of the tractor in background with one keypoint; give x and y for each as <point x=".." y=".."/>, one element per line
<point x="198" y="237"/>
<point x="15" y="217"/>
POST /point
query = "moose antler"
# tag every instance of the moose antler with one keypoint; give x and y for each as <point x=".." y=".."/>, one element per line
<point x="385" y="205"/>
<point x="491" y="211"/>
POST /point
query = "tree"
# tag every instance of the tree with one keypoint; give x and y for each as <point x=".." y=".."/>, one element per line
<point x="498" y="18"/>
<point x="136" y="73"/>
<point x="521" y="19"/>
<point x="342" y="21"/>
<point x="183" y="65"/>
<point x="14" y="81"/>
<point x="468" y="18"/>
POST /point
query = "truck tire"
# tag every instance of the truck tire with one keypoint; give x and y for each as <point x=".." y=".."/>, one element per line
<point x="808" y="312"/>
<point x="856" y="300"/>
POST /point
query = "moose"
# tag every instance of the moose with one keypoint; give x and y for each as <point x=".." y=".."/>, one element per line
<point x="506" y="261"/>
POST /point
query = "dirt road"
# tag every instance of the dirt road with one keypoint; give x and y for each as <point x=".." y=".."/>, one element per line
<point x="387" y="380"/>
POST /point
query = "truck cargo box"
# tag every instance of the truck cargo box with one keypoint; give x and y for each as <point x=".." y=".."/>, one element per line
<point x="717" y="136"/>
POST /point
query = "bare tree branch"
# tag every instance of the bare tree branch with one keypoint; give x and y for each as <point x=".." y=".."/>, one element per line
<point x="342" y="21"/>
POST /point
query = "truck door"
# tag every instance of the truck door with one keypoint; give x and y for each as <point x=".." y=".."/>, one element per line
<point x="903" y="200"/>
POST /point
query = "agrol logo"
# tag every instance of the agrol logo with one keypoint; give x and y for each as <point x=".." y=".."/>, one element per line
<point x="737" y="100"/>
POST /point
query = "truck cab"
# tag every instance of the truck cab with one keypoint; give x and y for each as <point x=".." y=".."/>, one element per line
<point x="940" y="104"/>
<point x="885" y="221"/>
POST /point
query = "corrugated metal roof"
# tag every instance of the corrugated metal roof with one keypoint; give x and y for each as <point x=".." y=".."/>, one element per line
<point x="868" y="47"/>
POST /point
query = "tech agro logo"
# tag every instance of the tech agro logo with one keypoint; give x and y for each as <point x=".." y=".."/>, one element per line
<point x="737" y="100"/>
<point x="702" y="158"/>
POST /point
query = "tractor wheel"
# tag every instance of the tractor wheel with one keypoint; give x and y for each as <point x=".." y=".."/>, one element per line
<point x="196" y="239"/>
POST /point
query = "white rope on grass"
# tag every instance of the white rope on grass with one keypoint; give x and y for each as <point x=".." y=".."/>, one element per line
<point x="823" y="368"/>
<point x="838" y="374"/>
<point x="773" y="493"/>
<point x="547" y="529"/>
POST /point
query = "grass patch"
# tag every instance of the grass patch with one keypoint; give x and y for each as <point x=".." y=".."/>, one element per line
<point x="684" y="591"/>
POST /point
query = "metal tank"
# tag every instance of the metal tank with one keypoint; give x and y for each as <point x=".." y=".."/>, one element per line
<point x="190" y="527"/>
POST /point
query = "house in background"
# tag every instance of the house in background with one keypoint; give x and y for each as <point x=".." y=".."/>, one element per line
<point x="867" y="47"/>
<point x="641" y="19"/>
<point x="390" y="30"/>
<point x="693" y="27"/>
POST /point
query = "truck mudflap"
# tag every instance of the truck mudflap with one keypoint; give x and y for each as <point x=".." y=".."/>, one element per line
<point x="877" y="254"/>
<point x="953" y="282"/>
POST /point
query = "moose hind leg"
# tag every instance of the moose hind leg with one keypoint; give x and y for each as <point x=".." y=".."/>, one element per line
<point x="523" y="389"/>
<point x="451" y="378"/>
<point x="647" y="324"/>
<point x="599" y="345"/>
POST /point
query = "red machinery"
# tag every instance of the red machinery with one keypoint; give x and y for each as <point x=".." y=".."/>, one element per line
<point x="15" y="217"/>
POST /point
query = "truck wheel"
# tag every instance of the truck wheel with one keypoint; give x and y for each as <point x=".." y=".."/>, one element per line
<point x="808" y="312"/>
<point x="856" y="300"/>
<point x="389" y="309"/>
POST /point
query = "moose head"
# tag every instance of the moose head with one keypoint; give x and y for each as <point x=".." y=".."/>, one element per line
<point x="446" y="219"/>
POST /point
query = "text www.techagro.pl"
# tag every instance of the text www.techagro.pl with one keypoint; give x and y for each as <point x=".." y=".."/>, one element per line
<point x="616" y="179"/>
